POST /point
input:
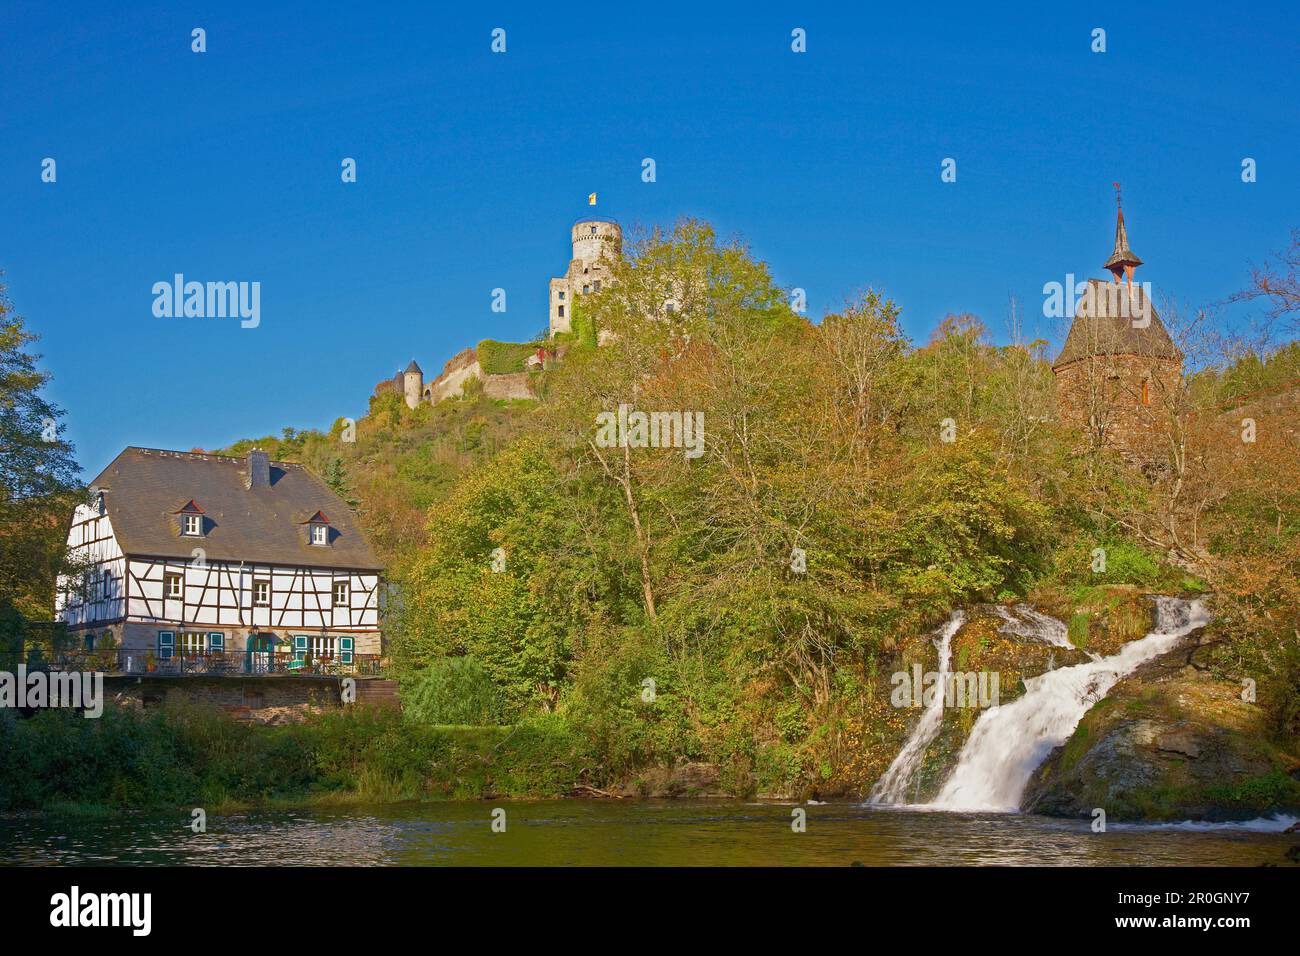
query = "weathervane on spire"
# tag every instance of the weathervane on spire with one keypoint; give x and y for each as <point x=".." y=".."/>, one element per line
<point x="1122" y="261"/>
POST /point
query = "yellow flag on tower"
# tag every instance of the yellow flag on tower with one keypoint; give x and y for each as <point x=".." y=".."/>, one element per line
<point x="591" y="200"/>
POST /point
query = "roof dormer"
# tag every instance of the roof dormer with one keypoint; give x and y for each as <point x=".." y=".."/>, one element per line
<point x="318" y="530"/>
<point x="191" y="519"/>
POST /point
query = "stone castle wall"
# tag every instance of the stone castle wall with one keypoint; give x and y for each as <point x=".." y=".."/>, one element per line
<point x="514" y="385"/>
<point x="1124" y="402"/>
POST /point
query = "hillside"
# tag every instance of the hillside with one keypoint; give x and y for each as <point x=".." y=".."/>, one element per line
<point x="401" y="461"/>
<point x="743" y="608"/>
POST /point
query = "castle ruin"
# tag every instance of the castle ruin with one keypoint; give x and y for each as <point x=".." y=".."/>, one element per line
<point x="596" y="244"/>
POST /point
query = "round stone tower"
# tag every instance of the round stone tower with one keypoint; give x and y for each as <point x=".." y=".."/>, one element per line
<point x="593" y="238"/>
<point x="412" y="384"/>
<point x="597" y="243"/>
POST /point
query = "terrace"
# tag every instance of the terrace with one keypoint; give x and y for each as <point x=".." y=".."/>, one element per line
<point x="183" y="663"/>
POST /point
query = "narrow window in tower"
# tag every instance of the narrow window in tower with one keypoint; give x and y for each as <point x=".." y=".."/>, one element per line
<point x="560" y="314"/>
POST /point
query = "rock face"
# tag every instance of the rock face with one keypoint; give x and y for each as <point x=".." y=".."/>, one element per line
<point x="1170" y="742"/>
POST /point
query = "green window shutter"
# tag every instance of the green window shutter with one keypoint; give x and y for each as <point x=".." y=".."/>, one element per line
<point x="166" y="644"/>
<point x="300" y="647"/>
<point x="345" y="649"/>
<point x="217" y="642"/>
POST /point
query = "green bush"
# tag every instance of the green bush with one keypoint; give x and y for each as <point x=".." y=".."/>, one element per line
<point x="452" y="690"/>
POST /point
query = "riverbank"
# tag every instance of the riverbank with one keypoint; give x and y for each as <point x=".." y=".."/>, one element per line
<point x="1210" y="756"/>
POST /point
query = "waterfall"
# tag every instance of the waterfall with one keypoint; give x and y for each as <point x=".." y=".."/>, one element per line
<point x="893" y="785"/>
<point x="1008" y="742"/>
<point x="1034" y="625"/>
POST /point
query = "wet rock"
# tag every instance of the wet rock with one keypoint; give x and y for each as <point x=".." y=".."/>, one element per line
<point x="687" y="779"/>
<point x="1167" y="744"/>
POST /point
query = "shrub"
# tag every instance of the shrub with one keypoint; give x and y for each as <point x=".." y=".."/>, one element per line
<point x="453" y="690"/>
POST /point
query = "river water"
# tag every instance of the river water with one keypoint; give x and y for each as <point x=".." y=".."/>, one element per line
<point x="628" y="833"/>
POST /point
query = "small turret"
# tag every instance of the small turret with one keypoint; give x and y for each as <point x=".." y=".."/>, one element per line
<point x="412" y="384"/>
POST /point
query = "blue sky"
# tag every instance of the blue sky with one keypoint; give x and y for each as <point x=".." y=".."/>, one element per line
<point x="472" y="166"/>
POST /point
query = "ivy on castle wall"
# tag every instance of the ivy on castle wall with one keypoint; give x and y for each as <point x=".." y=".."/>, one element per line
<point x="503" y="358"/>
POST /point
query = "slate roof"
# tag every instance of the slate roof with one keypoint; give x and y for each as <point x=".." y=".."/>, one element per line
<point x="144" y="488"/>
<point x="1103" y="325"/>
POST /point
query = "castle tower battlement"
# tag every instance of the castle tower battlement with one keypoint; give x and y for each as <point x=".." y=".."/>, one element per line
<point x="597" y="243"/>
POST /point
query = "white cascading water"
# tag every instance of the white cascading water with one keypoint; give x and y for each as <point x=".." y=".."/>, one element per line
<point x="1035" y="625"/>
<point x="1008" y="742"/>
<point x="893" y="785"/>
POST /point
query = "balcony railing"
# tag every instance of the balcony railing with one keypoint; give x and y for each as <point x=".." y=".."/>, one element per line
<point x="218" y="663"/>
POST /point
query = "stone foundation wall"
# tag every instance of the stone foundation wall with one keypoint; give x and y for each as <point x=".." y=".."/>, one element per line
<point x="143" y="638"/>
<point x="266" y="699"/>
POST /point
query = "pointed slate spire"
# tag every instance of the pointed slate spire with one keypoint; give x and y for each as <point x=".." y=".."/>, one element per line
<point x="414" y="368"/>
<point x="1122" y="261"/>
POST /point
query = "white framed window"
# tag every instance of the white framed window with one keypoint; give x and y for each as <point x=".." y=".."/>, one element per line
<point x="340" y="593"/>
<point x="261" y="593"/>
<point x="320" y="534"/>
<point x="324" y="647"/>
<point x="192" y="525"/>
<point x="173" y="586"/>
<point x="192" y="643"/>
<point x="561" y="295"/>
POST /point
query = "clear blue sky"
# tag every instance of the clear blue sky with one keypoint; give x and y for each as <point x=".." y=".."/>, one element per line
<point x="472" y="166"/>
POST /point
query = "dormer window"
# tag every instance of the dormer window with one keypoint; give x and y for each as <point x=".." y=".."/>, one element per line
<point x="191" y="519"/>
<point x="318" y="530"/>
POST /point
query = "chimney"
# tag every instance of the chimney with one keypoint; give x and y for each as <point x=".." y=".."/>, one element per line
<point x="259" y="469"/>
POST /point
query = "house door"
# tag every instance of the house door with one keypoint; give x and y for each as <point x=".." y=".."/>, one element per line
<point x="259" y="658"/>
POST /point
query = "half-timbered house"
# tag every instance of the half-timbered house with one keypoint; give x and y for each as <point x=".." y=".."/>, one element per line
<point x="249" y="564"/>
